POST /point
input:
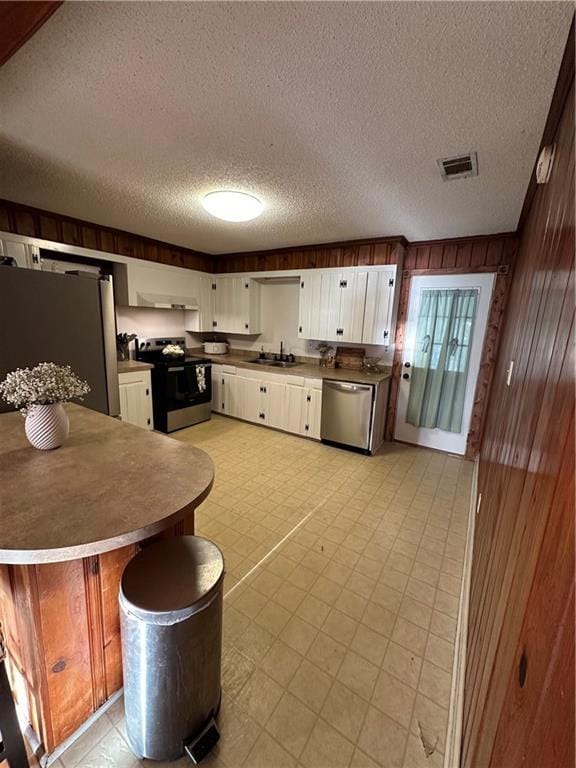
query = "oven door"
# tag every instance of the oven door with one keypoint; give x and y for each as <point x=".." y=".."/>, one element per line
<point x="181" y="386"/>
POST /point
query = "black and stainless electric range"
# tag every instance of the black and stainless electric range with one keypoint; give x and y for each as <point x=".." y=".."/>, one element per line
<point x="181" y="385"/>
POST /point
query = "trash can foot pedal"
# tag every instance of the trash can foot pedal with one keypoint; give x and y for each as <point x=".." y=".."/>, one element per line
<point x="199" y="747"/>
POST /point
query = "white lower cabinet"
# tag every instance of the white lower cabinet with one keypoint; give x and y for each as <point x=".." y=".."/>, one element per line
<point x="136" y="398"/>
<point x="289" y="403"/>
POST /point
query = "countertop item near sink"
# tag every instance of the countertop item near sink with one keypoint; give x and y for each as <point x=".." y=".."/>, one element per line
<point x="310" y="370"/>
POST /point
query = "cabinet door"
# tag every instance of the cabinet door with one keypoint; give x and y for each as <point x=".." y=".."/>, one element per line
<point x="136" y="399"/>
<point x="27" y="256"/>
<point x="309" y="291"/>
<point x="274" y="397"/>
<point x="206" y="304"/>
<point x="295" y="404"/>
<point x="352" y="301"/>
<point x="379" y="303"/>
<point x="232" y="395"/>
<point x="252" y="399"/>
<point x="334" y="292"/>
<point x="314" y="402"/>
<point x="221" y="303"/>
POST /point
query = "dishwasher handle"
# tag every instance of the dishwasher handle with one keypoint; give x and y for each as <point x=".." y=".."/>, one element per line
<point x="346" y="387"/>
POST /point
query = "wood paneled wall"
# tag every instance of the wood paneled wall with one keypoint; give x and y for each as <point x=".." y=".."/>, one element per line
<point x="353" y="253"/>
<point x="19" y="21"/>
<point x="519" y="694"/>
<point x="494" y="253"/>
<point x="23" y="220"/>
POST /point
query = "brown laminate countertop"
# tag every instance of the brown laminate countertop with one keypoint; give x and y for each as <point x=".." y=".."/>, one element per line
<point x="239" y="359"/>
<point x="111" y="484"/>
<point x="129" y="366"/>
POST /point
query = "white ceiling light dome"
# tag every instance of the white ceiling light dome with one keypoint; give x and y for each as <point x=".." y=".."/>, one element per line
<point x="232" y="206"/>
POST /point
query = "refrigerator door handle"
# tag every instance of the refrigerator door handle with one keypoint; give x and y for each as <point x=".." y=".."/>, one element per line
<point x="109" y="339"/>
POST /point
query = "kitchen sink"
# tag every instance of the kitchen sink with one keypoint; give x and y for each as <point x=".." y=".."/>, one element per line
<point x="272" y="363"/>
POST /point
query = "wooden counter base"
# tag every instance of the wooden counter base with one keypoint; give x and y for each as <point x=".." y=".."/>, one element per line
<point x="62" y="628"/>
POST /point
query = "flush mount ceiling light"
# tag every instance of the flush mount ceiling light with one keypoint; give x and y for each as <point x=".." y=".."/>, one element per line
<point x="232" y="206"/>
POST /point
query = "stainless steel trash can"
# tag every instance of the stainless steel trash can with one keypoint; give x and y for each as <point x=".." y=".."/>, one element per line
<point x="171" y="623"/>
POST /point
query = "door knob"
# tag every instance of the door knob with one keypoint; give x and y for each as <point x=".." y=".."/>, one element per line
<point x="406" y="376"/>
<point x="406" y="365"/>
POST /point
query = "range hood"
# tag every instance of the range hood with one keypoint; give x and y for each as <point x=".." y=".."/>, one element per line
<point x="164" y="301"/>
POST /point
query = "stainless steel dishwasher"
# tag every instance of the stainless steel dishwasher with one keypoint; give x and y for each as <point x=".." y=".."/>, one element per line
<point x="347" y="414"/>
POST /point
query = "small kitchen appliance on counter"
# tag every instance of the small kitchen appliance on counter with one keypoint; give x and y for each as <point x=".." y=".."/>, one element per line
<point x="181" y="385"/>
<point x="215" y="347"/>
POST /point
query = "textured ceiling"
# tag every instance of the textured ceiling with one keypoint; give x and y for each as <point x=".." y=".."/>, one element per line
<point x="334" y="114"/>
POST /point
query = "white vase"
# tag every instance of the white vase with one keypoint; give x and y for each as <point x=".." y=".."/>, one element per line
<point x="47" y="426"/>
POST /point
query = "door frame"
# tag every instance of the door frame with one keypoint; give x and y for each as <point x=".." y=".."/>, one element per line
<point x="428" y="438"/>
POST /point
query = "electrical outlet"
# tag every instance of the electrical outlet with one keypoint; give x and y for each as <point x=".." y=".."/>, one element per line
<point x="509" y="373"/>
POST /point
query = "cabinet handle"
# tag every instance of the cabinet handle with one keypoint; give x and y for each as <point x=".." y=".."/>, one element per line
<point x="299" y="329"/>
<point x="306" y="427"/>
<point x="385" y="334"/>
<point x="391" y="282"/>
<point x="308" y="398"/>
<point x="245" y="325"/>
<point x="147" y="421"/>
<point x="246" y="285"/>
<point x="147" y="392"/>
<point x="302" y="284"/>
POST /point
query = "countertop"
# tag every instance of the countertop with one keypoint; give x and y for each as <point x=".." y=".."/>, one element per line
<point x="308" y="370"/>
<point x="111" y="484"/>
<point x="128" y="366"/>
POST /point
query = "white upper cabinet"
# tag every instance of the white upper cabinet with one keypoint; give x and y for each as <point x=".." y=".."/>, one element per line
<point x="236" y="305"/>
<point x="357" y="306"/>
<point x="381" y="307"/>
<point x="27" y="256"/>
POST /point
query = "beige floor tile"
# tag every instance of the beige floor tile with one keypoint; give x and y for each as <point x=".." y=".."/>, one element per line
<point x="369" y="644"/>
<point x="326" y="653"/>
<point x="440" y="652"/>
<point x="313" y="610"/>
<point x="327" y="748"/>
<point x="416" y="612"/>
<point x="289" y="596"/>
<point x="379" y="619"/>
<point x="238" y="733"/>
<point x="266" y="753"/>
<point x="110" y="750"/>
<point x="430" y="720"/>
<point x="394" y="698"/>
<point x="273" y="617"/>
<point x="403" y="664"/>
<point x="298" y="634"/>
<point x="259" y="696"/>
<point x="410" y="636"/>
<point x="435" y="684"/>
<point x="361" y="760"/>
<point x="291" y="724"/>
<point x="358" y="674"/>
<point x="339" y="626"/>
<point x="383" y="739"/>
<point x="311" y="685"/>
<point x="443" y="625"/>
<point x="351" y="604"/>
<point x="87" y="741"/>
<point x="281" y="662"/>
<point x="254" y="642"/>
<point x="250" y="602"/>
<point x="419" y="756"/>
<point x="345" y="710"/>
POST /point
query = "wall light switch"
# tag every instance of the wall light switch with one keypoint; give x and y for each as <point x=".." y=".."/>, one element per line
<point x="509" y="373"/>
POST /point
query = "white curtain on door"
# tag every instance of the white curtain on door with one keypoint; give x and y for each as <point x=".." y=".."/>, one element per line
<point x="441" y="358"/>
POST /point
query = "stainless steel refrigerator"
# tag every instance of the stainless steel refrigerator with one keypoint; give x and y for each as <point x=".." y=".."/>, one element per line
<point x="65" y="319"/>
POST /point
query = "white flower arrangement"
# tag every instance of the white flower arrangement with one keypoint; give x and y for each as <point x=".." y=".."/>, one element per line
<point x="44" y="384"/>
<point x="173" y="349"/>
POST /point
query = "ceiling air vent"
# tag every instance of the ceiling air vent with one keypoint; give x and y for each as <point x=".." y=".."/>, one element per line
<point x="459" y="167"/>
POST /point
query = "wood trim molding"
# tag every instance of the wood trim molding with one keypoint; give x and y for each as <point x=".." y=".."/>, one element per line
<point x="32" y="222"/>
<point x="19" y="21"/>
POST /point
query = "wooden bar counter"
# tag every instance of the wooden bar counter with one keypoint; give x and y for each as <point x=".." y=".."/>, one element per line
<point x="70" y="520"/>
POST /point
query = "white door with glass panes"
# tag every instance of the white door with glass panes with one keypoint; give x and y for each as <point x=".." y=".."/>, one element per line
<point x="445" y="329"/>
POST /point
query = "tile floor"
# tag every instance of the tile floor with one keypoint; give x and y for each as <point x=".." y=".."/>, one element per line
<point x="342" y="589"/>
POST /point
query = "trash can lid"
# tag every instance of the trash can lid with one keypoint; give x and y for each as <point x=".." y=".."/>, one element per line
<point x="173" y="576"/>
